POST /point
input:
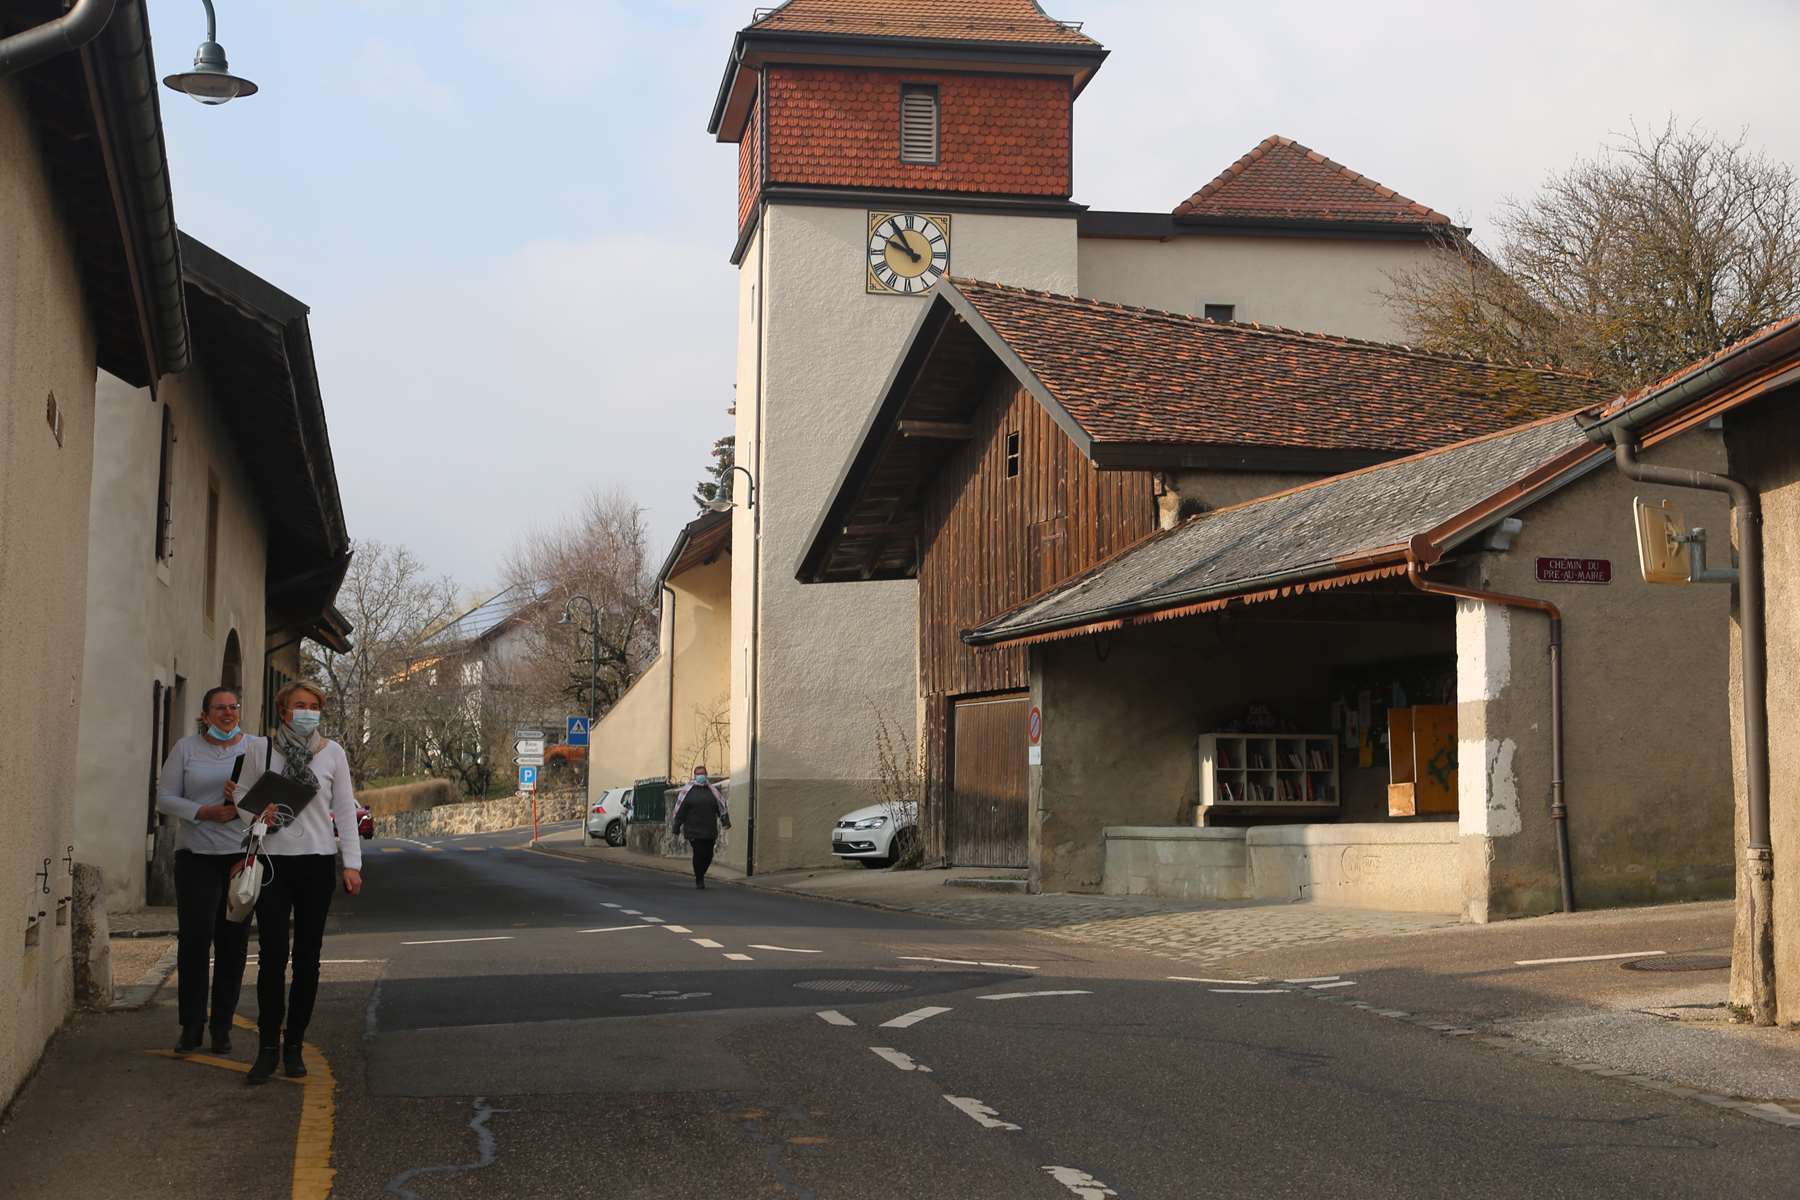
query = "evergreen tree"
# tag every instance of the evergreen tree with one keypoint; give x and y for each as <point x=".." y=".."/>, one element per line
<point x="717" y="484"/>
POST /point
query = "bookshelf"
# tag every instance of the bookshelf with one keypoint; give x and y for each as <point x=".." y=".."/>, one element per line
<point x="1268" y="770"/>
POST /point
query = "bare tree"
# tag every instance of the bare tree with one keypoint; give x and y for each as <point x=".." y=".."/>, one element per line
<point x="394" y="605"/>
<point x="1665" y="247"/>
<point x="603" y="554"/>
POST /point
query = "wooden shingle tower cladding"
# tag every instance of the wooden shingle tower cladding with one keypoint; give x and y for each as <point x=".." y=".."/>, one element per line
<point x="1014" y="510"/>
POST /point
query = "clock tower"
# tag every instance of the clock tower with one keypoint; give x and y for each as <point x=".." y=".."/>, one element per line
<point x="881" y="147"/>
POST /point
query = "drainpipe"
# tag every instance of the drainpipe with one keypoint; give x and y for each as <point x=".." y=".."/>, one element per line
<point x="1747" y="511"/>
<point x="671" y="772"/>
<point x="71" y="31"/>
<point x="1419" y="556"/>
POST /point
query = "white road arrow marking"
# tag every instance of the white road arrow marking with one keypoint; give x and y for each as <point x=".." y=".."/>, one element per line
<point x="1081" y="1183"/>
<point x="832" y="1017"/>
<point x="616" y="928"/>
<point x="454" y="941"/>
<point x="980" y="1113"/>
<point x="783" y="949"/>
<point x="914" y="1017"/>
<point x="1026" y="995"/>
<point x="707" y="943"/>
<point x="903" y="1061"/>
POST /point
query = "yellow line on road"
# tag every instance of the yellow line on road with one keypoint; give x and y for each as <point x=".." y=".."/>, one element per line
<point x="473" y="849"/>
<point x="393" y="850"/>
<point x="313" y="1172"/>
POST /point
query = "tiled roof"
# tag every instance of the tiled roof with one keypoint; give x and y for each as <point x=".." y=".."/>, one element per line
<point x="1137" y="376"/>
<point x="1281" y="180"/>
<point x="1005" y="21"/>
<point x="1309" y="532"/>
<point x="489" y="615"/>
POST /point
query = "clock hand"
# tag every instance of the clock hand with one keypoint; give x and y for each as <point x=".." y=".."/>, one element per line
<point x="905" y="249"/>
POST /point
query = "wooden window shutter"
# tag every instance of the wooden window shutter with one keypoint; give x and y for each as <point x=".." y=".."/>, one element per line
<point x="918" y="123"/>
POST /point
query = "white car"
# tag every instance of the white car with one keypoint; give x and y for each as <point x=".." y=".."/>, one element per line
<point x="607" y="817"/>
<point x="876" y="836"/>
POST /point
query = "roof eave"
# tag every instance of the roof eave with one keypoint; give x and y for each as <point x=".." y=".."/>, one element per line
<point x="1751" y="369"/>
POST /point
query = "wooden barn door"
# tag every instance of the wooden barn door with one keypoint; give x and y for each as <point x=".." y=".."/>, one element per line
<point x="988" y="783"/>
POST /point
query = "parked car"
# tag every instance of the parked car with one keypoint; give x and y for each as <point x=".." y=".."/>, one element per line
<point x="608" y="816"/>
<point x="877" y="836"/>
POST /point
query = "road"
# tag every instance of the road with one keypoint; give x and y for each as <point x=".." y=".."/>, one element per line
<point x="506" y="1023"/>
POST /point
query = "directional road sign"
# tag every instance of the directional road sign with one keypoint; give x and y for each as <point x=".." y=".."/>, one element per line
<point x="528" y="779"/>
<point x="528" y="746"/>
<point x="577" y="732"/>
<point x="528" y="760"/>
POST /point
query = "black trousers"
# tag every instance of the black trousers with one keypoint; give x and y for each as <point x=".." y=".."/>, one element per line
<point x="201" y="881"/>
<point x="300" y="891"/>
<point x="703" y="854"/>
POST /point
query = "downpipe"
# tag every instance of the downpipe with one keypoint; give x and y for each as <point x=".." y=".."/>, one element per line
<point x="1759" y="855"/>
<point x="1559" y="808"/>
<point x="71" y="31"/>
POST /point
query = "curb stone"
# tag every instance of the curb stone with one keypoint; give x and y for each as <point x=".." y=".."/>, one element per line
<point x="140" y="993"/>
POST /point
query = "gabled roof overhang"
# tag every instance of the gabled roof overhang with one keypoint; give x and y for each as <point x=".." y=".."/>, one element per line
<point x="700" y="542"/>
<point x="754" y="49"/>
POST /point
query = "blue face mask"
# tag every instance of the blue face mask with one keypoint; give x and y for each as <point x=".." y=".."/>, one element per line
<point x="305" y="721"/>
<point x="220" y="735"/>
<point x="699" y="781"/>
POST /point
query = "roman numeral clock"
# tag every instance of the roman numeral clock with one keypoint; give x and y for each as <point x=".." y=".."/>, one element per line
<point x="907" y="252"/>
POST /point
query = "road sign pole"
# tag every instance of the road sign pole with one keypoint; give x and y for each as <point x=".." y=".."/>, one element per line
<point x="534" y="823"/>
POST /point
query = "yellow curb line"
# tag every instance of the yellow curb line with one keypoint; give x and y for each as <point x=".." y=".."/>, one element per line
<point x="313" y="1172"/>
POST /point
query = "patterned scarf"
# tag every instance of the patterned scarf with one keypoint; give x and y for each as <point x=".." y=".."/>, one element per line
<point x="296" y="757"/>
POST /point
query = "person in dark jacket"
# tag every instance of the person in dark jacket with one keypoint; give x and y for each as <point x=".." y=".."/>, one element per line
<point x="699" y="815"/>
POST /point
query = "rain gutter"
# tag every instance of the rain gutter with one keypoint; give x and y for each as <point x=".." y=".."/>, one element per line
<point x="71" y="31"/>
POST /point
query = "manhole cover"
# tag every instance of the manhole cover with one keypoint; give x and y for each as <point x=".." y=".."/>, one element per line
<point x="851" y="985"/>
<point x="1679" y="962"/>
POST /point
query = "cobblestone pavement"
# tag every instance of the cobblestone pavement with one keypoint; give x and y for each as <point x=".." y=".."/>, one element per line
<point x="1186" y="932"/>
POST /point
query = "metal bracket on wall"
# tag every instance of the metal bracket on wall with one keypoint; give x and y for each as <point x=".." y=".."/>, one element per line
<point x="45" y="876"/>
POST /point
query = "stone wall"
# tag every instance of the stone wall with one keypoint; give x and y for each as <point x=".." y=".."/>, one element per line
<point x="409" y="797"/>
<point x="482" y="816"/>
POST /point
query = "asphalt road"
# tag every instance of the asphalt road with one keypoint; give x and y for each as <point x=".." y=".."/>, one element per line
<point x="504" y="1023"/>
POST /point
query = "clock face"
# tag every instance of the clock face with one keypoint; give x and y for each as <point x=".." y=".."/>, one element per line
<point x="907" y="252"/>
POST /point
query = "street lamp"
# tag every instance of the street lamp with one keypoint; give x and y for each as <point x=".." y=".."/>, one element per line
<point x="594" y="668"/>
<point x="211" y="80"/>
<point x="724" y="503"/>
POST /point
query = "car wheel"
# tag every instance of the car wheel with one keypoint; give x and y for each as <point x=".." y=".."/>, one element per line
<point x="615" y="834"/>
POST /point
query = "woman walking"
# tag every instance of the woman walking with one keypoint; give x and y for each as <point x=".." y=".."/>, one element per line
<point x="196" y="788"/>
<point x="301" y="850"/>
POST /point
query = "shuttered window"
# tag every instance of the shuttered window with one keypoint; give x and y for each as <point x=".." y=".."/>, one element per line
<point x="918" y="123"/>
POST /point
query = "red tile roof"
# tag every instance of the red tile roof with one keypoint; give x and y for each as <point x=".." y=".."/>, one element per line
<point x="1134" y="376"/>
<point x="1281" y="180"/>
<point x="1003" y="21"/>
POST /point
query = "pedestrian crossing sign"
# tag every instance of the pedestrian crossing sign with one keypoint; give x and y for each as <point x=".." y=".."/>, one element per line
<point x="577" y="731"/>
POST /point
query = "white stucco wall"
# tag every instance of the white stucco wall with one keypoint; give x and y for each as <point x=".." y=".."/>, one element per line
<point x="1318" y="284"/>
<point x="827" y="653"/>
<point x="46" y="346"/>
<point x="146" y="621"/>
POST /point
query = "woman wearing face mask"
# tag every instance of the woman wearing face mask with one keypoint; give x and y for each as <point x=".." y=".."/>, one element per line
<point x="302" y="849"/>
<point x="699" y="812"/>
<point x="196" y="787"/>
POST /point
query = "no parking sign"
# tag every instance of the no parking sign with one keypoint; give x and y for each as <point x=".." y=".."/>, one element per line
<point x="1034" y="734"/>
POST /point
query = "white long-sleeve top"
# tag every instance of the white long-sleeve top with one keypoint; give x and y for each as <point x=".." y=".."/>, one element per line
<point x="311" y="832"/>
<point x="195" y="775"/>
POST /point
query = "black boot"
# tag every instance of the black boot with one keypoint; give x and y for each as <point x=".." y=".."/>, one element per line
<point x="221" y="1040"/>
<point x="268" y="1056"/>
<point x="190" y="1039"/>
<point x="291" y="1062"/>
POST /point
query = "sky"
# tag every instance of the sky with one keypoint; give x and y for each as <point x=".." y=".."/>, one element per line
<point x="513" y="229"/>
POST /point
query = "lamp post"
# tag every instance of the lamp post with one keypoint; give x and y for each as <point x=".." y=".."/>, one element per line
<point x="725" y="504"/>
<point x="211" y="80"/>
<point x="594" y="662"/>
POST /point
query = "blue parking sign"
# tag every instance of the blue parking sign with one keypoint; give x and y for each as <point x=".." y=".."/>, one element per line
<point x="528" y="777"/>
<point x="577" y="732"/>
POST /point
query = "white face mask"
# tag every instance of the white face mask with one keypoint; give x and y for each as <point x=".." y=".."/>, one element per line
<point x="305" y="721"/>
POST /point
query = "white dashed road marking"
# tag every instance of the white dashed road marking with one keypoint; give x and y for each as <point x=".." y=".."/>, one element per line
<point x="677" y="929"/>
<point x="1081" y="1183"/>
<point x="903" y="1061"/>
<point x="617" y="928"/>
<point x="914" y="1017"/>
<point x="1314" y="979"/>
<point x="1580" y="958"/>
<point x="1320" y="987"/>
<point x="1027" y="995"/>
<point x="1196" y="979"/>
<point x="980" y="1113"/>
<point x="632" y="912"/>
<point x="740" y="957"/>
<point x="652" y="920"/>
<point x="1249" y="991"/>
<point x="832" y="1017"/>
<point x="454" y="941"/>
<point x="610" y="905"/>
<point x="707" y="943"/>
<point x="784" y="949"/>
<point x="954" y="962"/>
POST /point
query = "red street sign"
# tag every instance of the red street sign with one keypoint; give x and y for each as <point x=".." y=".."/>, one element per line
<point x="1574" y="570"/>
<point x="1034" y="725"/>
